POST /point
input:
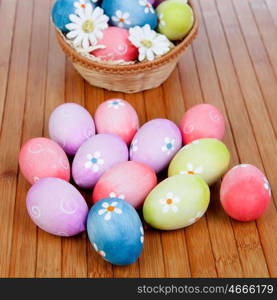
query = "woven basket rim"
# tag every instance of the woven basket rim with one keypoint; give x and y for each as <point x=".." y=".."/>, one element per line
<point x="134" y="68"/>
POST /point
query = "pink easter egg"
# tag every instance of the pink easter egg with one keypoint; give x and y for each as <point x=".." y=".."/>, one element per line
<point x="57" y="207"/>
<point x="40" y="158"/>
<point x="117" y="45"/>
<point x="202" y="121"/>
<point x="118" y="117"/>
<point x="130" y="181"/>
<point x="70" y="125"/>
<point x="156" y="143"/>
<point x="96" y="156"/>
<point x="245" y="193"/>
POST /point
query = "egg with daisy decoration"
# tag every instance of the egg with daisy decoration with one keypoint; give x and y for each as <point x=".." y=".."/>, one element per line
<point x="208" y="158"/>
<point x="176" y="202"/>
<point x="156" y="143"/>
<point x="62" y="9"/>
<point x="245" y="193"/>
<point x="115" y="231"/>
<point x="150" y="44"/>
<point x="175" y="19"/>
<point x="127" y="14"/>
<point x="96" y="156"/>
<point x="87" y="26"/>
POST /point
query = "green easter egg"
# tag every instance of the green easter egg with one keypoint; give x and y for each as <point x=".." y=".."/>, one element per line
<point x="208" y="158"/>
<point x="176" y="202"/>
<point x="175" y="19"/>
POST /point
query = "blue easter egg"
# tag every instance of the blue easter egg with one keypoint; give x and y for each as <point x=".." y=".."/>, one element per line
<point x="63" y="8"/>
<point x="115" y="231"/>
<point x="131" y="13"/>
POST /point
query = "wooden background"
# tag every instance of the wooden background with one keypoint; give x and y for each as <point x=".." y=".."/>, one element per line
<point x="232" y="65"/>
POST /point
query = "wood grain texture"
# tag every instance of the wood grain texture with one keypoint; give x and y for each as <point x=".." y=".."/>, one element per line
<point x="232" y="65"/>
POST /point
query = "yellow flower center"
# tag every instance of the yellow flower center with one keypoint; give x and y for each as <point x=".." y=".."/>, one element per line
<point x="88" y="26"/>
<point x="83" y="5"/>
<point x="110" y="208"/>
<point x="169" y="201"/>
<point x="191" y="173"/>
<point x="146" y="43"/>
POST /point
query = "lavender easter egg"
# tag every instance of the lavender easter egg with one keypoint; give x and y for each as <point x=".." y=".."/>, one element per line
<point x="115" y="231"/>
<point x="176" y="202"/>
<point x="119" y="48"/>
<point x="155" y="144"/>
<point x="202" y="121"/>
<point x="96" y="156"/>
<point x="40" y="158"/>
<point x="70" y="125"/>
<point x="63" y="8"/>
<point x="131" y="13"/>
<point x="175" y="19"/>
<point x="245" y="193"/>
<point x="131" y="181"/>
<point x="208" y="158"/>
<point x="118" y="117"/>
<point x="57" y="207"/>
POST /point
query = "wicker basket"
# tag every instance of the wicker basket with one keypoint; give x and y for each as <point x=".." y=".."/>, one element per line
<point x="129" y="78"/>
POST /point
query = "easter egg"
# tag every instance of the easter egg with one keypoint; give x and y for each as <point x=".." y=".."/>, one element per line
<point x="118" y="117"/>
<point x="208" y="158"/>
<point x="202" y="121"/>
<point x="70" y="125"/>
<point x="116" y="49"/>
<point x="245" y="193"/>
<point x="40" y="158"/>
<point x="131" y="13"/>
<point x="176" y="202"/>
<point x="175" y="19"/>
<point x="95" y="156"/>
<point x="63" y="8"/>
<point x="115" y="231"/>
<point x="130" y="181"/>
<point x="57" y="207"/>
<point x="155" y="144"/>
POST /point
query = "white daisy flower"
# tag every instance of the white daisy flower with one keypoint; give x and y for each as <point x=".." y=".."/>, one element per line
<point x="87" y="26"/>
<point x="114" y="195"/>
<point x="142" y="234"/>
<point x="161" y="20"/>
<point x="80" y="5"/>
<point x="196" y="218"/>
<point x="108" y="210"/>
<point x="148" y="6"/>
<point x="149" y="43"/>
<point x="168" y="147"/>
<point x="121" y="18"/>
<point x="116" y="103"/>
<point x="191" y="170"/>
<point x="134" y="146"/>
<point x="169" y="202"/>
<point x="267" y="186"/>
<point x="101" y="252"/>
<point x="94" y="161"/>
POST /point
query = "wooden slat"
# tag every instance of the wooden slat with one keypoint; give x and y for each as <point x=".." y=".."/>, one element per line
<point x="7" y="19"/>
<point x="11" y="129"/>
<point x="272" y="6"/>
<point x="25" y="237"/>
<point x="235" y="103"/>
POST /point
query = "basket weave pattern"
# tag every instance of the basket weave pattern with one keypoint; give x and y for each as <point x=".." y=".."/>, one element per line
<point x="129" y="78"/>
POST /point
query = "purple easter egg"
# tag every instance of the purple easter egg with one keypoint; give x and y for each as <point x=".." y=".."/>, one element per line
<point x="70" y="125"/>
<point x="155" y="144"/>
<point x="97" y="155"/>
<point x="57" y="207"/>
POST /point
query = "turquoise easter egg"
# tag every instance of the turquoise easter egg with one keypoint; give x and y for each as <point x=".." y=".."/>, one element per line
<point x="63" y="8"/>
<point x="131" y="13"/>
<point x="175" y="19"/>
<point x="208" y="158"/>
<point x="115" y="231"/>
<point x="177" y="202"/>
